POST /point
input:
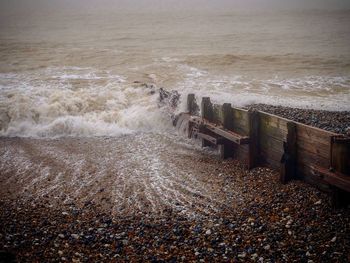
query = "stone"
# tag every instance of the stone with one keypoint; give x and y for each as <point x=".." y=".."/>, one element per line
<point x="208" y="232"/>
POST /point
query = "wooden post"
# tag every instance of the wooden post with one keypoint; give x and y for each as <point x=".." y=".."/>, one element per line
<point x="207" y="113"/>
<point x="289" y="158"/>
<point x="192" y="106"/>
<point x="253" y="158"/>
<point x="340" y="162"/>
<point x="227" y="148"/>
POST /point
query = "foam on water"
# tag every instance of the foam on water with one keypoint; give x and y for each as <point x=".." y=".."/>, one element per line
<point x="50" y="103"/>
<point x="74" y="101"/>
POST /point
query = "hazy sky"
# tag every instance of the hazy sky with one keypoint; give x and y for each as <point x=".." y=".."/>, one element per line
<point x="14" y="6"/>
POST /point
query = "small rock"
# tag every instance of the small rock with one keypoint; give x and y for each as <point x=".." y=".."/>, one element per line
<point x="318" y="202"/>
<point x="75" y="236"/>
<point x="61" y="235"/>
<point x="242" y="255"/>
<point x="334" y="239"/>
<point x="267" y="247"/>
<point x="208" y="232"/>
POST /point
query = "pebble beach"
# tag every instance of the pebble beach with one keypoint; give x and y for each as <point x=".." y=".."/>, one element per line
<point x="237" y="216"/>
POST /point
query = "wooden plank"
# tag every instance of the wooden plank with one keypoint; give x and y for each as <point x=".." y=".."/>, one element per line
<point x="274" y="121"/>
<point x="240" y="120"/>
<point x="192" y="106"/>
<point x="241" y="153"/>
<point x="207" y="113"/>
<point x="219" y="130"/>
<point x="305" y="173"/>
<point x="272" y="158"/>
<point x="267" y="129"/>
<point x="340" y="162"/>
<point x="289" y="158"/>
<point x="227" y="121"/>
<point x="315" y="148"/>
<point x="270" y="143"/>
<point x="217" y="114"/>
<point x="313" y="134"/>
<point x="209" y="138"/>
<point x="253" y="157"/>
<point x="341" y="154"/>
<point x="305" y="157"/>
<point x="339" y="180"/>
<point x="232" y="136"/>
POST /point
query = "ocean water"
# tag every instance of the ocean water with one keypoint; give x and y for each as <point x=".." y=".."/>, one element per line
<point x="77" y="73"/>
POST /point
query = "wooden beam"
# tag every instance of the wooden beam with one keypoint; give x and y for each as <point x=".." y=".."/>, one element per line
<point x="340" y="163"/>
<point x="231" y="136"/>
<point x="253" y="157"/>
<point x="207" y="113"/>
<point x="334" y="178"/>
<point x="211" y="139"/>
<point x="192" y="106"/>
<point x="289" y="158"/>
<point x="219" y="130"/>
<point x="226" y="149"/>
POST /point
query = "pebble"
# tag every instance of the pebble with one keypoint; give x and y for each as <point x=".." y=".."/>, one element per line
<point x="75" y="236"/>
<point x="267" y="247"/>
<point x="208" y="232"/>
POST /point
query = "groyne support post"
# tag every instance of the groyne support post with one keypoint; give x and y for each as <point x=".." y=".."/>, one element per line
<point x="253" y="122"/>
<point x="227" y="148"/>
<point x="208" y="114"/>
<point x="289" y="158"/>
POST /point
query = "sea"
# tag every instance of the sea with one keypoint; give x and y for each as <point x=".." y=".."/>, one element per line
<point x="82" y="72"/>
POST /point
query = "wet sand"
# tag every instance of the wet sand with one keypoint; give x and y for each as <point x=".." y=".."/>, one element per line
<point x="156" y="198"/>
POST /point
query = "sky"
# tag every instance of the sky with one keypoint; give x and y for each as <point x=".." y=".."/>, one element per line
<point x="14" y="6"/>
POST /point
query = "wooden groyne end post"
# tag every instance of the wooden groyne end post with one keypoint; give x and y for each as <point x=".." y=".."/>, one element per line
<point x="192" y="107"/>
<point x="227" y="148"/>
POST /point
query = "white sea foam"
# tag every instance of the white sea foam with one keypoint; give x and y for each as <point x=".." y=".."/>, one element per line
<point x="54" y="108"/>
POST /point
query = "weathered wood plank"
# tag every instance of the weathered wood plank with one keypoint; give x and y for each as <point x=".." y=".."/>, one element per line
<point x="271" y="157"/>
<point x="334" y="178"/>
<point x="219" y="130"/>
<point x="211" y="139"/>
<point x="240" y="119"/>
<point x="267" y="142"/>
<point x="340" y="162"/>
<point x="253" y="121"/>
<point x="274" y="121"/>
<point x="267" y="129"/>
<point x="207" y="113"/>
<point x="227" y="150"/>
<point x="304" y="157"/>
<point x="318" y="149"/>
<point x="217" y="114"/>
<point x="289" y="158"/>
<point x="313" y="134"/>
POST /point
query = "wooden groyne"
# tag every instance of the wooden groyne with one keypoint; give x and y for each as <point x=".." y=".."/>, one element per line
<point x="257" y="138"/>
